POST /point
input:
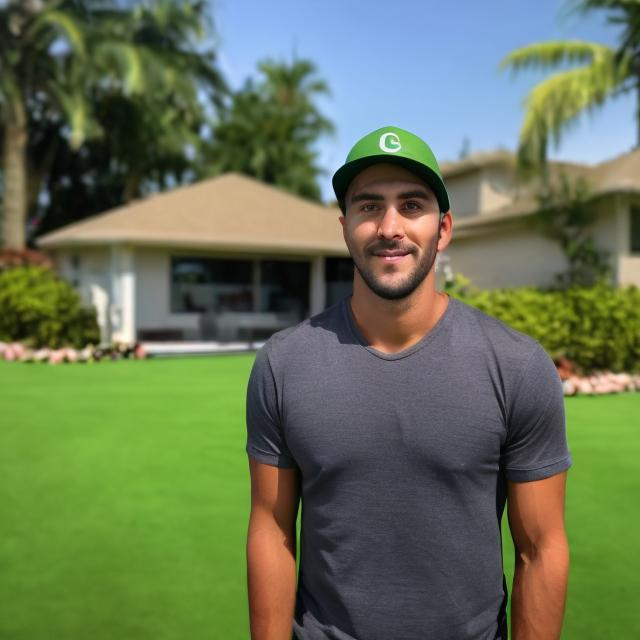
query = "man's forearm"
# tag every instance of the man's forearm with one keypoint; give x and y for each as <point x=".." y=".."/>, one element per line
<point x="539" y="592"/>
<point x="271" y="577"/>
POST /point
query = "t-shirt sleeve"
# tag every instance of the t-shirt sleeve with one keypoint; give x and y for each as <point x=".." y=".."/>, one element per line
<point x="536" y="444"/>
<point x="265" y="438"/>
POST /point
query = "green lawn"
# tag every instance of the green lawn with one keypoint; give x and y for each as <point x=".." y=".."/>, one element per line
<point x="124" y="499"/>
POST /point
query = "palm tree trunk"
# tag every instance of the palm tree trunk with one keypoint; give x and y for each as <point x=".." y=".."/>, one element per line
<point x="638" y="112"/>
<point x="131" y="187"/>
<point x="15" y="179"/>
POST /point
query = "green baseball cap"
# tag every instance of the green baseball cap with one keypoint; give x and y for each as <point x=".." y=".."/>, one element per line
<point x="397" y="146"/>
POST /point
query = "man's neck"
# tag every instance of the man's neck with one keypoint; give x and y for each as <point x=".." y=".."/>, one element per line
<point x="394" y="325"/>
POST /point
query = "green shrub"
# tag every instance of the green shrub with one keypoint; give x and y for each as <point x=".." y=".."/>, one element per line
<point x="42" y="310"/>
<point x="596" y="327"/>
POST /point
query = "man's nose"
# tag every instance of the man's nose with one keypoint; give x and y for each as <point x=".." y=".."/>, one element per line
<point x="391" y="224"/>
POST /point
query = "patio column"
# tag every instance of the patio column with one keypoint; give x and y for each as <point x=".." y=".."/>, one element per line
<point x="256" y="286"/>
<point x="318" y="287"/>
<point x="123" y="294"/>
<point x="623" y="239"/>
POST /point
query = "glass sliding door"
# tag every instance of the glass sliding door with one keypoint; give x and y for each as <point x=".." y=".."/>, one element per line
<point x="339" y="279"/>
<point x="240" y="299"/>
<point x="284" y="287"/>
<point x="201" y="285"/>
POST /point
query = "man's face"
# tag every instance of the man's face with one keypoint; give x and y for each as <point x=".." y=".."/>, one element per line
<point x="391" y="229"/>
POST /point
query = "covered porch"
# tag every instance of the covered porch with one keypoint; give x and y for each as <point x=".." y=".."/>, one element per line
<point x="161" y="296"/>
<point x="224" y="260"/>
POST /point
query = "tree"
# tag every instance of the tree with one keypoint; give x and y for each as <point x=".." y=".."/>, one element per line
<point x="566" y="216"/>
<point x="93" y="93"/>
<point x="268" y="128"/>
<point x="154" y="135"/>
<point x="557" y="102"/>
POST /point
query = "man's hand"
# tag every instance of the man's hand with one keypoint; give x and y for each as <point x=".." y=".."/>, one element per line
<point x="271" y="550"/>
<point x="536" y="520"/>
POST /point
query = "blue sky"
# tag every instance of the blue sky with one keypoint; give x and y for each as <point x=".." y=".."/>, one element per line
<point x="430" y="67"/>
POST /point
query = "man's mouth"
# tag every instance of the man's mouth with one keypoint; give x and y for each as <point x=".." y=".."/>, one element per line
<point x="391" y="255"/>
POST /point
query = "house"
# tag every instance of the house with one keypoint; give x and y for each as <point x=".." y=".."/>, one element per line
<point x="494" y="244"/>
<point x="225" y="259"/>
<point x="230" y="258"/>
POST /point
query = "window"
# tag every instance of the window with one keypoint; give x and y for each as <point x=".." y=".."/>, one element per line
<point x="202" y="284"/>
<point x="339" y="279"/>
<point x="211" y="284"/>
<point x="74" y="261"/>
<point x="635" y="229"/>
<point x="284" y="287"/>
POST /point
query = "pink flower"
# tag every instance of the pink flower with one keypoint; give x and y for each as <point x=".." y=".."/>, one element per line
<point x="18" y="349"/>
<point x="41" y="355"/>
<point x="56" y="356"/>
<point x="139" y="352"/>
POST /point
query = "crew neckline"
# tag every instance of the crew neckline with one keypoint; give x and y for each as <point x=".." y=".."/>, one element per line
<point x="443" y="321"/>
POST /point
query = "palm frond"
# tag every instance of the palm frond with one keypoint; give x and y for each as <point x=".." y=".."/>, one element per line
<point x="77" y="112"/>
<point x="608" y="5"/>
<point x="556" y="103"/>
<point x="548" y="55"/>
<point x="122" y="60"/>
<point x="64" y="24"/>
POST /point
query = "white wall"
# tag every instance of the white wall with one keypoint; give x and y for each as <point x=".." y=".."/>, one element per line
<point x="464" y="194"/>
<point x="153" y="288"/>
<point x="481" y="191"/>
<point x="497" y="189"/>
<point x="513" y="255"/>
<point x="87" y="268"/>
<point x="629" y="270"/>
<point x="506" y="258"/>
<point x="122" y="307"/>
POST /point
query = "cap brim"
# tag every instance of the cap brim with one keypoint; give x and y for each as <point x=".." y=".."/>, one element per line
<point x="346" y="173"/>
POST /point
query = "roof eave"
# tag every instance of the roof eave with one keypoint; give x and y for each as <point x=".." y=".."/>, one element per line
<point x="253" y="245"/>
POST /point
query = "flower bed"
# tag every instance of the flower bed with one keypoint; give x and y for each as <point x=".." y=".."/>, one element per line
<point x="601" y="383"/>
<point x="18" y="352"/>
<point x="575" y="382"/>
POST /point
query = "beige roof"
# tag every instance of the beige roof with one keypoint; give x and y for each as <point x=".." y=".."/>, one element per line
<point x="229" y="212"/>
<point x="618" y="175"/>
<point x="477" y="160"/>
<point x="235" y="213"/>
<point x="621" y="173"/>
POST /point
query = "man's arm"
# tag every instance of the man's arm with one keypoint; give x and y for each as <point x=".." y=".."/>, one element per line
<point x="536" y="519"/>
<point x="271" y="550"/>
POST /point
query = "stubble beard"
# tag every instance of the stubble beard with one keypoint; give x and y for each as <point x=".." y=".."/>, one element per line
<point x="403" y="289"/>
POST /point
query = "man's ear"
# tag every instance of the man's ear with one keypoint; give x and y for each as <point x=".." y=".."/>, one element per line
<point x="343" y="221"/>
<point x="445" y="230"/>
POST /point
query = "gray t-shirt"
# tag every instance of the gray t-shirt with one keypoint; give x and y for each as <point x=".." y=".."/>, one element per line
<point x="403" y="462"/>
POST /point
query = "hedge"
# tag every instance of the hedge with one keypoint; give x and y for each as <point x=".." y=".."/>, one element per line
<point x="40" y="309"/>
<point x="598" y="328"/>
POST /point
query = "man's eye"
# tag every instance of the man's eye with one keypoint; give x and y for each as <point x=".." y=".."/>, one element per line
<point x="369" y="207"/>
<point x="412" y="205"/>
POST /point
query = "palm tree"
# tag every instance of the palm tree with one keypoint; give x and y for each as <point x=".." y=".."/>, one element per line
<point x="270" y="127"/>
<point x="58" y="57"/>
<point x="604" y="72"/>
<point x="27" y="31"/>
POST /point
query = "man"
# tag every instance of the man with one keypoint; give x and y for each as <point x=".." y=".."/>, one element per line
<point x="403" y="418"/>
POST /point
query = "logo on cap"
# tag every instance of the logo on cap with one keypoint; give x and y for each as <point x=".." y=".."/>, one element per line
<point x="389" y="142"/>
